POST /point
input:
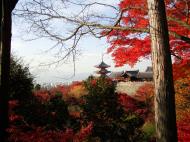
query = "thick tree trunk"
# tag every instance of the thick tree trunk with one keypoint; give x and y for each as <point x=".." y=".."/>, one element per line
<point x="165" y="115"/>
<point x="5" y="68"/>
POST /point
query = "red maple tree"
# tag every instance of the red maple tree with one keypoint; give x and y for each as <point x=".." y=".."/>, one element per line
<point x="132" y="43"/>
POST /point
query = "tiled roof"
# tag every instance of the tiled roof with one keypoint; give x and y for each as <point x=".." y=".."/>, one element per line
<point x="148" y="69"/>
<point x="145" y="75"/>
<point x="102" y="65"/>
<point x="116" y="74"/>
<point x="103" y="71"/>
<point x="132" y="73"/>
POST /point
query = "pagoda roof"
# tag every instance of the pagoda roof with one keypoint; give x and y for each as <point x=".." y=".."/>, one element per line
<point x="103" y="71"/>
<point x="102" y="65"/>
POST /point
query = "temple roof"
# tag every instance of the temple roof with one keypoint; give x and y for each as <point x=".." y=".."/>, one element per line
<point x="102" y="65"/>
<point x="145" y="75"/>
<point x="116" y="74"/>
<point x="148" y="69"/>
<point x="102" y="71"/>
<point x="132" y="73"/>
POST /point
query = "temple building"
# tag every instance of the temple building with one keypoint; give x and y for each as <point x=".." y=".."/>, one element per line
<point x="102" y="69"/>
<point x="128" y="75"/>
<point x="133" y="75"/>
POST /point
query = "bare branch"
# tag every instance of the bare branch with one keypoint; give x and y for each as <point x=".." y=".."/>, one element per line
<point x="95" y="3"/>
<point x="47" y="19"/>
<point x="180" y="22"/>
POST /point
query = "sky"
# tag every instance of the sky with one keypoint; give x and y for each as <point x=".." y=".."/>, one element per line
<point x="34" y="54"/>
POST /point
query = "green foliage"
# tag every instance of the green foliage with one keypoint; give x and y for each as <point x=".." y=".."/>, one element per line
<point x="37" y="87"/>
<point x="149" y="131"/>
<point x="21" y="81"/>
<point x="52" y="114"/>
<point x="101" y="101"/>
<point x="57" y="112"/>
<point x="111" y="123"/>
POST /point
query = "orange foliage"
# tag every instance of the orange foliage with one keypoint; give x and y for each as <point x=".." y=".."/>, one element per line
<point x="181" y="72"/>
<point x="128" y="46"/>
<point x="77" y="91"/>
<point x="145" y="92"/>
<point x="74" y="90"/>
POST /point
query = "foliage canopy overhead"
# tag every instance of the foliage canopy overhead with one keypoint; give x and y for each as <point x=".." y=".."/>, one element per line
<point x="129" y="46"/>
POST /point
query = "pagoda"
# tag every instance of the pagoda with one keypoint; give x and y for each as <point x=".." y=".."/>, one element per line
<point x="102" y="69"/>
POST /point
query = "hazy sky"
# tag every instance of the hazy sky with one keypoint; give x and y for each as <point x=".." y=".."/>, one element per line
<point x="91" y="50"/>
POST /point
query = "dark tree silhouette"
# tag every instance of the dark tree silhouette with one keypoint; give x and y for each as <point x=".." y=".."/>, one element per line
<point x="6" y="10"/>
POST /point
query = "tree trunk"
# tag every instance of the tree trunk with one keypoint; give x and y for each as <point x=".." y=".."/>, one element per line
<point x="5" y="67"/>
<point x="165" y="115"/>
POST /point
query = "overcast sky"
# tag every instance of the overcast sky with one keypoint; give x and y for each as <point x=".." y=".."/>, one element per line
<point x="91" y="50"/>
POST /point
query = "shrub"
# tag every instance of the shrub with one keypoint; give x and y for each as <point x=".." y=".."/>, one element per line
<point x="76" y="91"/>
<point x="131" y="105"/>
<point x="101" y="107"/>
<point x="57" y="112"/>
<point x="184" y="128"/>
<point x="149" y="131"/>
<point x="37" y="87"/>
<point x="39" y="134"/>
<point x="21" y="81"/>
<point x="52" y="114"/>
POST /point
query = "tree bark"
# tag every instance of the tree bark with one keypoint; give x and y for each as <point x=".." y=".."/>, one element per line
<point x="6" y="23"/>
<point x="165" y="115"/>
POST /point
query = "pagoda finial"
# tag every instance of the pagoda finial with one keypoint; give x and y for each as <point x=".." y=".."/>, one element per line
<point x="102" y="57"/>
